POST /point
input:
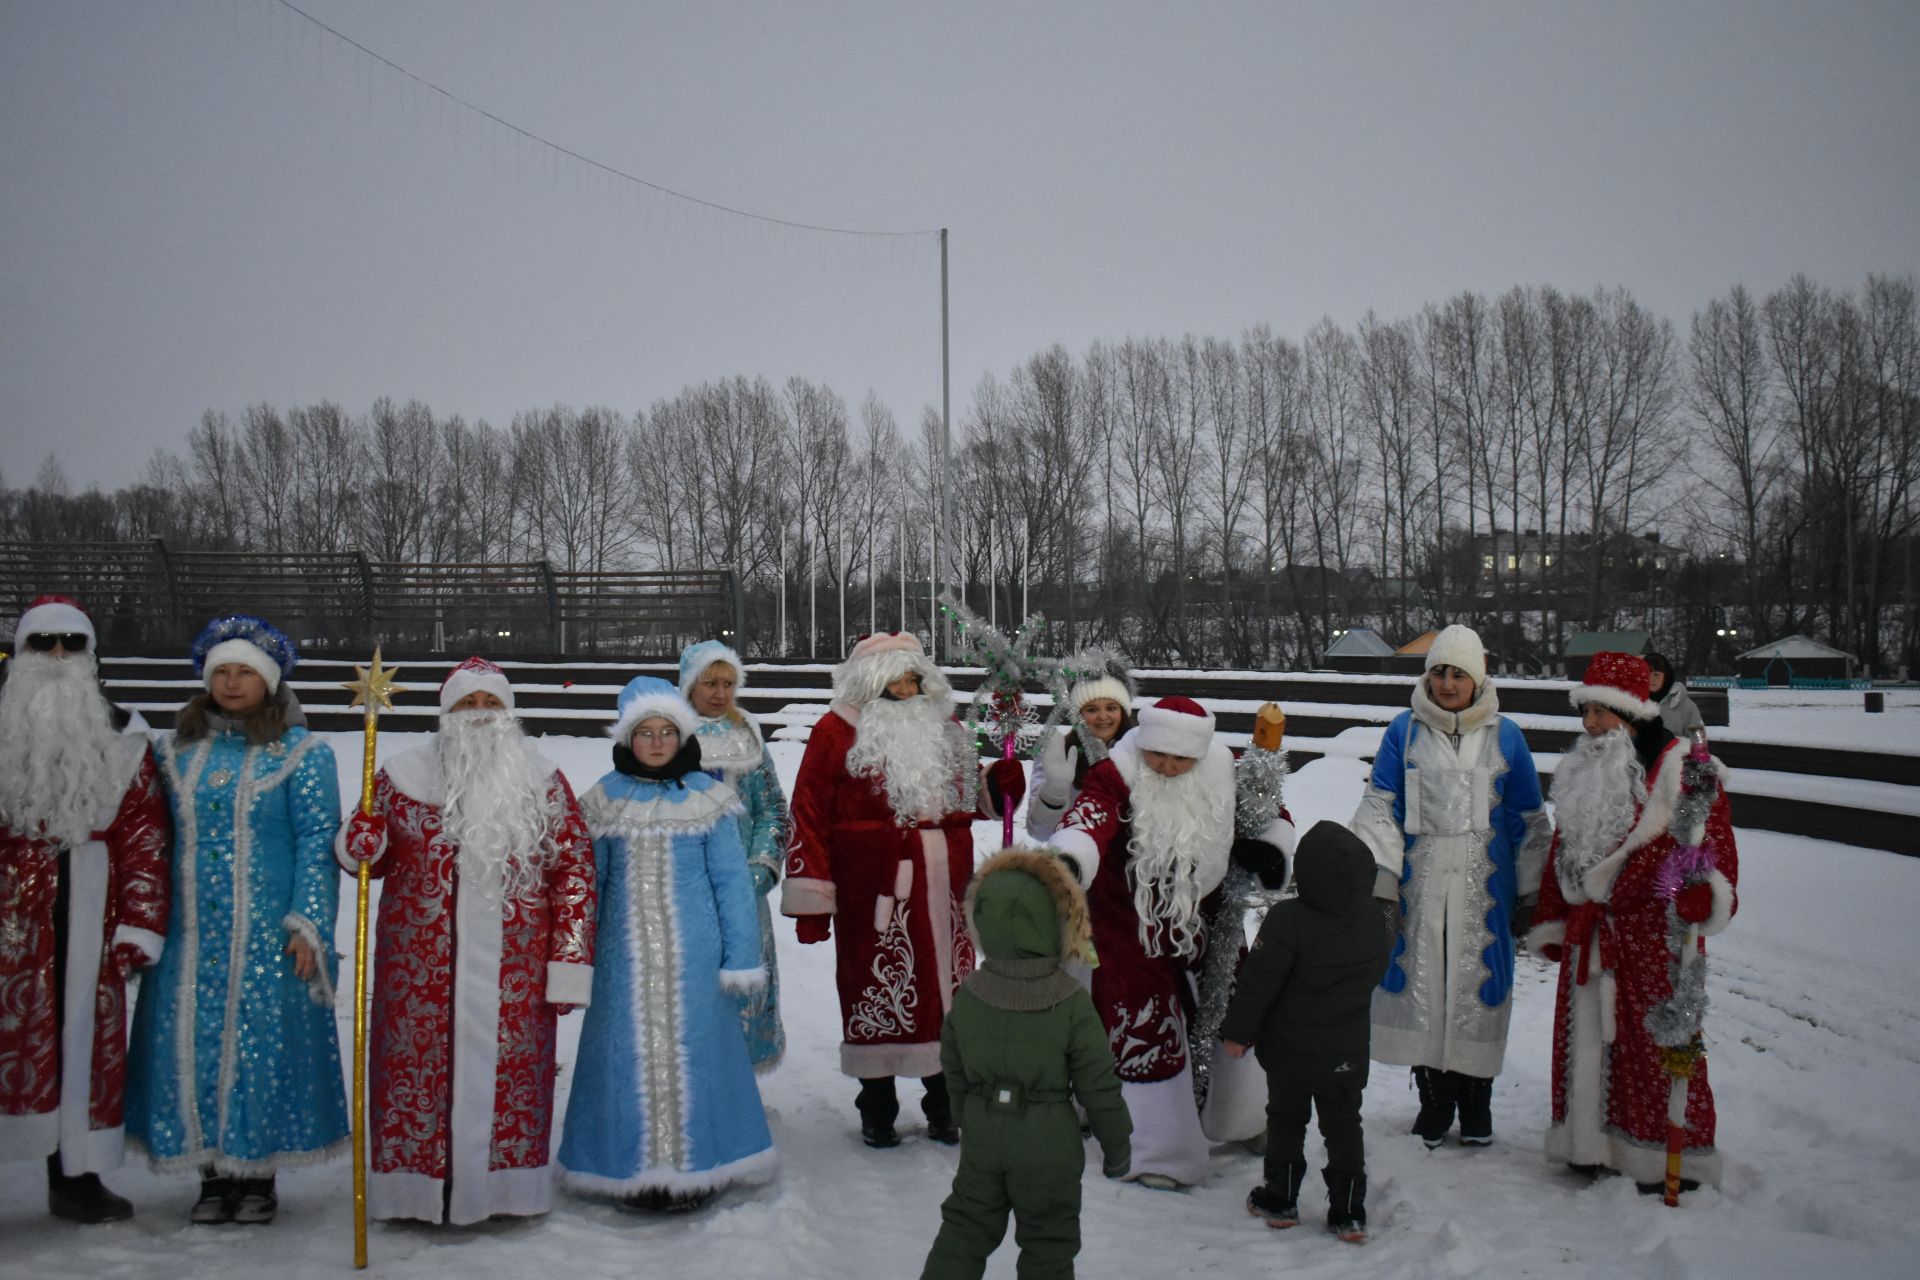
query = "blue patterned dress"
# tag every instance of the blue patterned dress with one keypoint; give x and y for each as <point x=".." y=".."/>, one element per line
<point x="664" y="1095"/>
<point x="734" y="752"/>
<point x="235" y="1061"/>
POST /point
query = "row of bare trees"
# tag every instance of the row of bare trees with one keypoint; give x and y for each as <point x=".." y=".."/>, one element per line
<point x="1507" y="461"/>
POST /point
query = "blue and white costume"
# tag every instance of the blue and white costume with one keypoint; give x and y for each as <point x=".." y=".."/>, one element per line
<point x="664" y="1096"/>
<point x="733" y="751"/>
<point x="1453" y="815"/>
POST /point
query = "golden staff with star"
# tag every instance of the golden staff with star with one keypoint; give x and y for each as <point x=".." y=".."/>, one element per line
<point x="372" y="688"/>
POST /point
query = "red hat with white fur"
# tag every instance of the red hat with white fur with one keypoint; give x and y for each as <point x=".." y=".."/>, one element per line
<point x="1620" y="682"/>
<point x="53" y="615"/>
<point x="475" y="675"/>
<point x="1176" y="727"/>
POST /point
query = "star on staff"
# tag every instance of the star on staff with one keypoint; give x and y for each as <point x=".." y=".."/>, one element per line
<point x="373" y="686"/>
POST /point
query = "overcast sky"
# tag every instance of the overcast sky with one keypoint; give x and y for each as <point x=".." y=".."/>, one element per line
<point x="209" y="203"/>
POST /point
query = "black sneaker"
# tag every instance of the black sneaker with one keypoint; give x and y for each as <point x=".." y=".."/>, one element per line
<point x="943" y="1131"/>
<point x="879" y="1133"/>
<point x="85" y="1199"/>
<point x="685" y="1201"/>
<point x="1271" y="1203"/>
<point x="254" y="1202"/>
<point x="1350" y="1231"/>
<point x="215" y="1205"/>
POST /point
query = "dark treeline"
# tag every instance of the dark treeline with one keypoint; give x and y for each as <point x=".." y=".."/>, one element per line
<point x="1534" y="463"/>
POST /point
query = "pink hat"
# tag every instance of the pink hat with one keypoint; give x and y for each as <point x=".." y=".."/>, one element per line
<point x="475" y="675"/>
<point x="53" y="615"/>
<point x="1620" y="682"/>
<point x="876" y="661"/>
<point x="1176" y="727"/>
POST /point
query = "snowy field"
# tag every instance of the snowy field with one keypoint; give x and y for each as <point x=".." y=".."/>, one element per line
<point x="1814" y="1033"/>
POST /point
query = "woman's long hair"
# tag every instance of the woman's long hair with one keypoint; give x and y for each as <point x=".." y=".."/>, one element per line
<point x="265" y="723"/>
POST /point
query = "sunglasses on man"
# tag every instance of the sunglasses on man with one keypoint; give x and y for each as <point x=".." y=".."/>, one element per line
<point x="48" y="641"/>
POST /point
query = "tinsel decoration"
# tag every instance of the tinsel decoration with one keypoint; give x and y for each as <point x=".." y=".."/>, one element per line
<point x="999" y="706"/>
<point x="1260" y="781"/>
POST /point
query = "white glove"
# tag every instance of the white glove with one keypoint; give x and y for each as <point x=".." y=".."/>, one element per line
<point x="1058" y="761"/>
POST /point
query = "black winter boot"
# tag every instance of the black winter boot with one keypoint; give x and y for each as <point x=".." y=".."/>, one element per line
<point x="1436" y="1104"/>
<point x="217" y="1195"/>
<point x="1476" y="1109"/>
<point x="255" y="1202"/>
<point x="879" y="1106"/>
<point x="938" y="1108"/>
<point x="1347" y="1205"/>
<point x="83" y="1197"/>
<point x="1278" y="1199"/>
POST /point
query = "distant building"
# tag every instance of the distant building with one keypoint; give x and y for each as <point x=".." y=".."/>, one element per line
<point x="1359" y="649"/>
<point x="1780" y="662"/>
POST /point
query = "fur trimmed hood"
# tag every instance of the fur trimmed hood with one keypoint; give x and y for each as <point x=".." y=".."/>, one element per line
<point x="1069" y="902"/>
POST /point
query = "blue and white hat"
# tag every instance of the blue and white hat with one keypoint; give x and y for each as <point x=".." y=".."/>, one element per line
<point x="698" y="656"/>
<point x="249" y="641"/>
<point x="647" y="696"/>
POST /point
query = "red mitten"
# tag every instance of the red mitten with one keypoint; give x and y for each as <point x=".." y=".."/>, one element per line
<point x="1552" y="952"/>
<point x="813" y="928"/>
<point x="1694" y="903"/>
<point x="366" y="836"/>
<point x="1006" y="784"/>
<point x="127" y="958"/>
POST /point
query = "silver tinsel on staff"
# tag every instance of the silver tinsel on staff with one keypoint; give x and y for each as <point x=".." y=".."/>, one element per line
<point x="1063" y="673"/>
<point x="1260" y="784"/>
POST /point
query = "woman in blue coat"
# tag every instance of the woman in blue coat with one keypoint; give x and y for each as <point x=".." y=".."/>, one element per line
<point x="235" y="1062"/>
<point x="665" y="1109"/>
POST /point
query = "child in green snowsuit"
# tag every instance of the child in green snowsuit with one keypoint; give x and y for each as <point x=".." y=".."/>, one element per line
<point x="1022" y="1042"/>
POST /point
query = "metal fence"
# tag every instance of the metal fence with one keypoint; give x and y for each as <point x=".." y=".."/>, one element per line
<point x="148" y="597"/>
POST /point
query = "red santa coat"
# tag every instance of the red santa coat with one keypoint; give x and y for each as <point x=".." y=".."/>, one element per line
<point x="895" y="890"/>
<point x="63" y="1054"/>
<point x="461" y="1058"/>
<point x="1619" y="941"/>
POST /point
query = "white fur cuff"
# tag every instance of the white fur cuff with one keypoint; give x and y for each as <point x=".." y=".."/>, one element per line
<point x="150" y="943"/>
<point x="1078" y="848"/>
<point x="1280" y="834"/>
<point x="741" y="981"/>
<point x="1723" y="903"/>
<point x="348" y="863"/>
<point x="803" y="896"/>
<point x="1551" y="934"/>
<point x="569" y="983"/>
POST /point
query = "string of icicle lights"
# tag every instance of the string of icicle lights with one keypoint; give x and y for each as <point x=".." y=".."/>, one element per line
<point x="611" y="172"/>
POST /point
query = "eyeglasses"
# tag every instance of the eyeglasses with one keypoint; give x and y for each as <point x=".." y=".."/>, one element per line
<point x="47" y="641"/>
<point x="657" y="735"/>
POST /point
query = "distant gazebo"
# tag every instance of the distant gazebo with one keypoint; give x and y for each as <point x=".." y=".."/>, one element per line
<point x="1584" y="644"/>
<point x="1796" y="657"/>
<point x="1359" y="649"/>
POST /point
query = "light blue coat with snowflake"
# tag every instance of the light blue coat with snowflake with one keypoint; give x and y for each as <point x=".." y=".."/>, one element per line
<point x="664" y="1095"/>
<point x="235" y="1061"/>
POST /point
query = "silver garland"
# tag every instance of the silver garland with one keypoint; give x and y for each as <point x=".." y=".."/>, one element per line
<point x="1675" y="1022"/>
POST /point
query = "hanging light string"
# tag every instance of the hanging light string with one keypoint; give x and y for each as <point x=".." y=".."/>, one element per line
<point x="610" y="170"/>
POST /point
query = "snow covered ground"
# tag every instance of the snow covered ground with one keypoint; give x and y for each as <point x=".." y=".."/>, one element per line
<point x="1815" y="1041"/>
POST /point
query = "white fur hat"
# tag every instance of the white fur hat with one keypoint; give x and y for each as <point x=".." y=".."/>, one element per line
<point x="475" y="675"/>
<point x="1459" y="646"/>
<point x="1095" y="687"/>
<point x="1176" y="727"/>
<point x="646" y="697"/>
<point x="53" y="615"/>
<point x="247" y="654"/>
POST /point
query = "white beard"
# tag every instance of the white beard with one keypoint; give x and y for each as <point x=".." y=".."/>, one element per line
<point x="914" y="748"/>
<point x="1175" y="823"/>
<point x="62" y="771"/>
<point x="496" y="810"/>
<point x="1596" y="791"/>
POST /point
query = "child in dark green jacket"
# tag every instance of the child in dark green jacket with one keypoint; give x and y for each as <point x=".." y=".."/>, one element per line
<point x="1022" y="1041"/>
<point x="1303" y="1001"/>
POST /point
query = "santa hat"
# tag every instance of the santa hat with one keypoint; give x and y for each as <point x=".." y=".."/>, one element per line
<point x="249" y="641"/>
<point x="1620" y="683"/>
<point x="697" y="657"/>
<point x="1459" y="646"/>
<point x="1176" y="727"/>
<point x="876" y="661"/>
<point x="649" y="696"/>
<point x="475" y="675"/>
<point x="53" y="616"/>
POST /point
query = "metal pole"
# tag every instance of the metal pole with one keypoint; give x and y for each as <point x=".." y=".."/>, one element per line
<point x="843" y="590"/>
<point x="783" y="593"/>
<point x="900" y="545"/>
<point x="993" y="581"/>
<point x="1026" y="566"/>
<point x="813" y="596"/>
<point x="946" y="425"/>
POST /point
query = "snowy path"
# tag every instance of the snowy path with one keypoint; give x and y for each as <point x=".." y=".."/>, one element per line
<point x="1815" y="1027"/>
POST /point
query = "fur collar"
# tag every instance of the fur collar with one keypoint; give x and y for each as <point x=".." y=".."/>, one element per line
<point x="1484" y="707"/>
<point x="1076" y="927"/>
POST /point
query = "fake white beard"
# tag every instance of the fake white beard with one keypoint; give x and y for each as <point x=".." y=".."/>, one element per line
<point x="1596" y="791"/>
<point x="916" y="750"/>
<point x="57" y="740"/>
<point x="496" y="803"/>
<point x="1176" y="823"/>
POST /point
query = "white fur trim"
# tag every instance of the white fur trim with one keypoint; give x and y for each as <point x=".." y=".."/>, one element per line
<point x="743" y="980"/>
<point x="521" y="1193"/>
<point x="348" y="863"/>
<point x="1723" y="903"/>
<point x="476" y="1052"/>
<point x="1281" y="835"/>
<point x="1078" y="848"/>
<point x="466" y="680"/>
<point x="1656" y="816"/>
<point x="805" y="896"/>
<point x="1100" y="687"/>
<point x="1174" y="733"/>
<point x="56" y="618"/>
<point x="247" y="654"/>
<point x="150" y="943"/>
<point x="86" y="931"/>
<point x="868" y="1061"/>
<point x="319" y="986"/>
<point x="1551" y="934"/>
<point x="746" y="1171"/>
<point x="1616" y="700"/>
<point x="715" y="653"/>
<point x="668" y="706"/>
<point x="695" y="813"/>
<point x="569" y="983"/>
